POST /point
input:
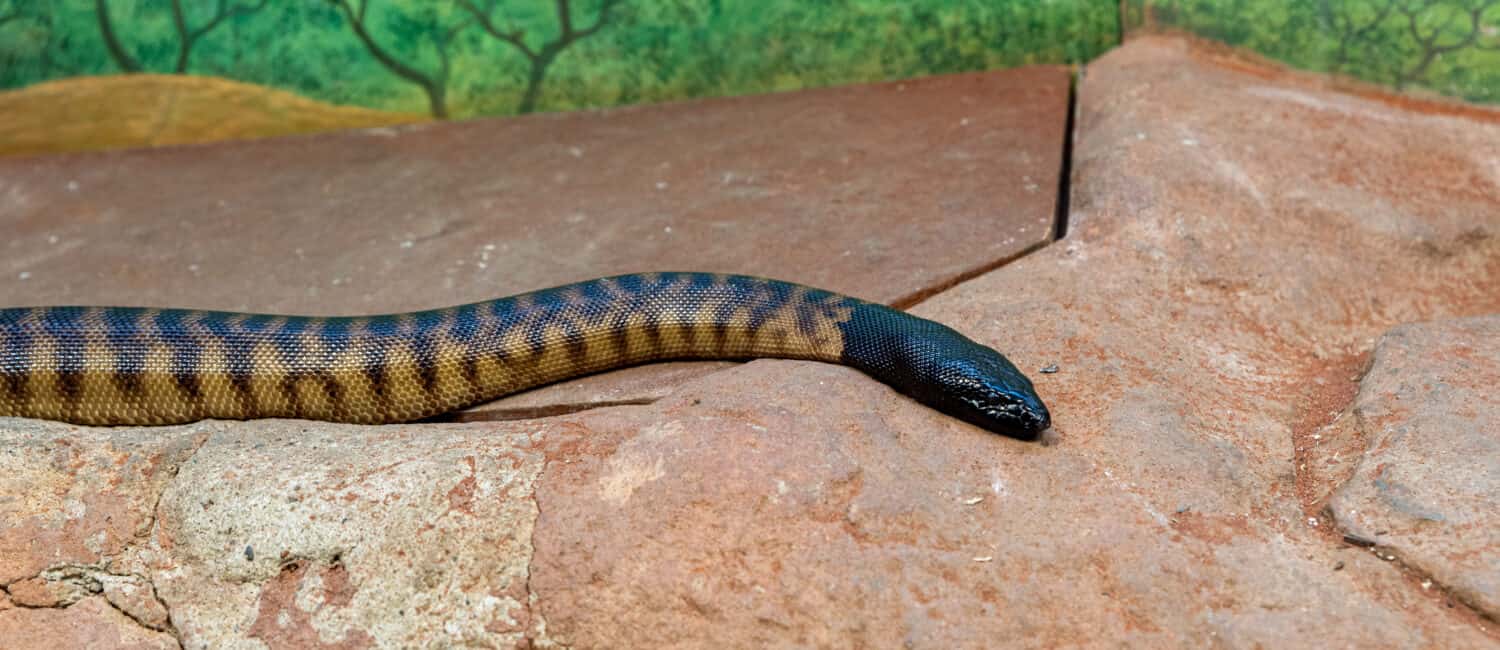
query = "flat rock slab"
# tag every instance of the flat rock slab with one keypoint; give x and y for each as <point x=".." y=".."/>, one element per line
<point x="1241" y="238"/>
<point x="881" y="191"/>
<point x="884" y="191"/>
<point x="1427" y="488"/>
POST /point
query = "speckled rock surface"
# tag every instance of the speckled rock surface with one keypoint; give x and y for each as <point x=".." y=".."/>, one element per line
<point x="1240" y="240"/>
<point x="88" y="623"/>
<point x="1427" y="488"/>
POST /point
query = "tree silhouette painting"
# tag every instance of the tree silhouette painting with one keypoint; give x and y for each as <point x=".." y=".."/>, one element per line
<point x="435" y="83"/>
<point x="539" y="59"/>
<point x="1458" y="25"/>
<point x="1452" y="46"/>
<point x="187" y="35"/>
<point x="1343" y="20"/>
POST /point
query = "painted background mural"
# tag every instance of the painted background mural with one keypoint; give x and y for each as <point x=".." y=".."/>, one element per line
<point x="1450" y="47"/>
<point x="417" y="59"/>
<point x="83" y="74"/>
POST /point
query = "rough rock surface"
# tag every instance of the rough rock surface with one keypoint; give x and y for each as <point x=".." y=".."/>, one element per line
<point x="1240" y="239"/>
<point x="884" y="190"/>
<point x="89" y="623"/>
<point x="1427" y="488"/>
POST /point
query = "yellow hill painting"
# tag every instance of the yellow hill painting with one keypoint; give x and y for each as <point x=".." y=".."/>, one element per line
<point x="108" y="112"/>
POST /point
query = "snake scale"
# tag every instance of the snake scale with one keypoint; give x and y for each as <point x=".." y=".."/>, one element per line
<point x="139" y="366"/>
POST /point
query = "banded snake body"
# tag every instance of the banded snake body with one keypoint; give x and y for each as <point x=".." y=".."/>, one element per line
<point x="138" y="366"/>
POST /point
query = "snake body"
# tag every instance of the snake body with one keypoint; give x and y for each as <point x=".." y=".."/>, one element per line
<point x="139" y="366"/>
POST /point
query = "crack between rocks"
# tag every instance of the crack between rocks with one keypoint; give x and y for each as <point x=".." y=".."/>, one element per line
<point x="1433" y="586"/>
<point x="533" y="608"/>
<point x="95" y="587"/>
<point x="1065" y="175"/>
<point x="921" y="295"/>
<point x="536" y="634"/>
<point x="1315" y="415"/>
<point x="151" y="530"/>
<point x="1356" y="369"/>
<point x="533" y="412"/>
<point x="1061" y="212"/>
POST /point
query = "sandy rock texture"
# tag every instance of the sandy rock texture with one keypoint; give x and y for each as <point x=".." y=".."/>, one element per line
<point x="1427" y="488"/>
<point x="1229" y="317"/>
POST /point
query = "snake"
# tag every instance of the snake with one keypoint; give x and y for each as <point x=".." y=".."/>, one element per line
<point x="115" y="366"/>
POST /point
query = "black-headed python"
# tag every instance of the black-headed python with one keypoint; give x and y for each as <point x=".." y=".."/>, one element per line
<point x="136" y="366"/>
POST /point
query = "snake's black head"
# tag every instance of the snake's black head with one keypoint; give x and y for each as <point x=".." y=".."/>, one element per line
<point x="944" y="370"/>
<point x="986" y="390"/>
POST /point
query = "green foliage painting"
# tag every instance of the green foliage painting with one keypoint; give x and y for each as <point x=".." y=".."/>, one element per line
<point x="1448" y="46"/>
<point x="456" y="58"/>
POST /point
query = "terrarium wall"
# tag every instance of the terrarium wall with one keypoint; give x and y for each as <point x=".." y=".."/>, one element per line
<point x="1451" y="47"/>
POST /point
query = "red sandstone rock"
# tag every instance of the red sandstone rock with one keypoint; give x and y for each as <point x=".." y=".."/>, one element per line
<point x="1427" y="488"/>
<point x="90" y="623"/>
<point x="883" y="190"/>
<point x="1241" y="238"/>
<point x="80" y="496"/>
<point x="1238" y="242"/>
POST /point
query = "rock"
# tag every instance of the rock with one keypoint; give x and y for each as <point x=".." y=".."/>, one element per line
<point x="36" y="592"/>
<point x="886" y="190"/>
<point x="66" y="585"/>
<point x="395" y="536"/>
<point x="1428" y="486"/>
<point x="90" y="623"/>
<point x="80" y="496"/>
<point x="135" y="597"/>
<point x="1240" y="236"/>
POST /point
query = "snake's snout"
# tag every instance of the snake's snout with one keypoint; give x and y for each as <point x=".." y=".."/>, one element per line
<point x="992" y="394"/>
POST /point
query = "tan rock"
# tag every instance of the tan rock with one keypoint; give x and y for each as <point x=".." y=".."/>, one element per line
<point x="35" y="592"/>
<point x="298" y="534"/>
<point x="80" y="496"/>
<point x="1427" y="488"/>
<point x="90" y="623"/>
